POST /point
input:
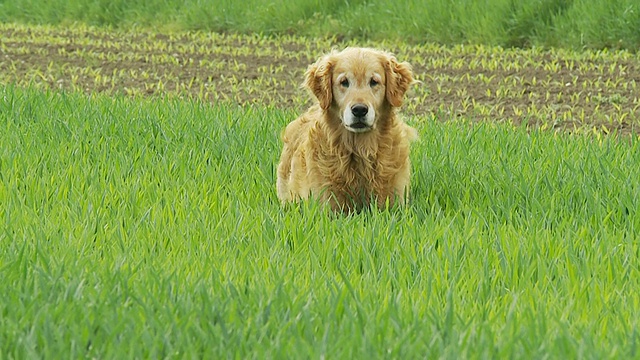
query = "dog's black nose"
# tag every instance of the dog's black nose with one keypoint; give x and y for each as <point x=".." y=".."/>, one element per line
<point x="359" y="110"/>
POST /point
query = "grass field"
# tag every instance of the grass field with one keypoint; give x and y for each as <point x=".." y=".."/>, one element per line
<point x="575" y="24"/>
<point x="150" y="228"/>
<point x="138" y="214"/>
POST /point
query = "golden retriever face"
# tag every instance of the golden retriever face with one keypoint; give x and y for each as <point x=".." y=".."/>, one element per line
<point x="359" y="86"/>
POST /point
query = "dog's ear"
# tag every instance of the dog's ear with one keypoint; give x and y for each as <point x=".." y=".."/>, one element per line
<point x="399" y="79"/>
<point x="318" y="80"/>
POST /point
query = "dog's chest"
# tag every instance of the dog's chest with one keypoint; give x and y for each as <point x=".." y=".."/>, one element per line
<point x="363" y="168"/>
<point x="357" y="175"/>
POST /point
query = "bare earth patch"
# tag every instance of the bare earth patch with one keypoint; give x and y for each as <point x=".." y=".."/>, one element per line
<point x="549" y="89"/>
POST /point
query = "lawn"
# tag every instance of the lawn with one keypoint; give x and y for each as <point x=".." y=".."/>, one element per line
<point x="149" y="227"/>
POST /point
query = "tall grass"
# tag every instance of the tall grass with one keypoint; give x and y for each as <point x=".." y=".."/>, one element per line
<point x="150" y="228"/>
<point x="567" y="23"/>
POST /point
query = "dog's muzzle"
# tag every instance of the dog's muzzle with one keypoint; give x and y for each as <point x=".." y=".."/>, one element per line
<point x="360" y="119"/>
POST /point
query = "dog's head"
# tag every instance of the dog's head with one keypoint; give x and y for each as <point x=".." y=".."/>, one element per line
<point x="359" y="84"/>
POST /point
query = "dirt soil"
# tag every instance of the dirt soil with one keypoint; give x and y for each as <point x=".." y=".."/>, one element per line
<point x="551" y="89"/>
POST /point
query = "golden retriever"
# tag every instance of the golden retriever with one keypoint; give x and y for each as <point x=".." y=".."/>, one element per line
<point x="350" y="149"/>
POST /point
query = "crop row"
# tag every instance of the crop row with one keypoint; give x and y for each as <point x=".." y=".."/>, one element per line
<point x="547" y="88"/>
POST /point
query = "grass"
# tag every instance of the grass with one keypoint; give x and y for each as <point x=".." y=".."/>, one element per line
<point x="149" y="227"/>
<point x="576" y="24"/>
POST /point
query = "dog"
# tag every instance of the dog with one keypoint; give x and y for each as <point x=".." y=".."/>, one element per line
<point x="350" y="150"/>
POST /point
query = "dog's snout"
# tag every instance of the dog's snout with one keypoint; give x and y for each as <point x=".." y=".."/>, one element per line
<point x="359" y="110"/>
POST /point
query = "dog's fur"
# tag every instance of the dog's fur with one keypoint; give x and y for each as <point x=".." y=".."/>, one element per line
<point x="350" y="148"/>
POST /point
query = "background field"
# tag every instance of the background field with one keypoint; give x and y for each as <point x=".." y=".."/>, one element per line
<point x="138" y="216"/>
<point x="551" y="89"/>
<point x="576" y="24"/>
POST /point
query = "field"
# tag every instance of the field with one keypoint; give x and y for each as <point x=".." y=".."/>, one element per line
<point x="560" y="89"/>
<point x="138" y="216"/>
<point x="575" y="24"/>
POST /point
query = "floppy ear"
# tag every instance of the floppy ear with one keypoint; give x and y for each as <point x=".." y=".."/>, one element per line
<point x="318" y="80"/>
<point x="399" y="79"/>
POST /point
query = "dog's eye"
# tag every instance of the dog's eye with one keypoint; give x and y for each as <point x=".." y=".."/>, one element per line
<point x="373" y="82"/>
<point x="344" y="83"/>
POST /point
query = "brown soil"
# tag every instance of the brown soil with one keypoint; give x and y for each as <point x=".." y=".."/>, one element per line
<point x="551" y="89"/>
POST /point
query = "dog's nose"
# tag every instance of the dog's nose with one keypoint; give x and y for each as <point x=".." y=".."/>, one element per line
<point x="359" y="110"/>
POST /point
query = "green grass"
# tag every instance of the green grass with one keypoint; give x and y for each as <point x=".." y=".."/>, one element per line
<point x="150" y="228"/>
<point x="575" y="24"/>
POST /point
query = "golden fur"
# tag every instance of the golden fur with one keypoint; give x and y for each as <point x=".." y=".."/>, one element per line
<point x="350" y="148"/>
